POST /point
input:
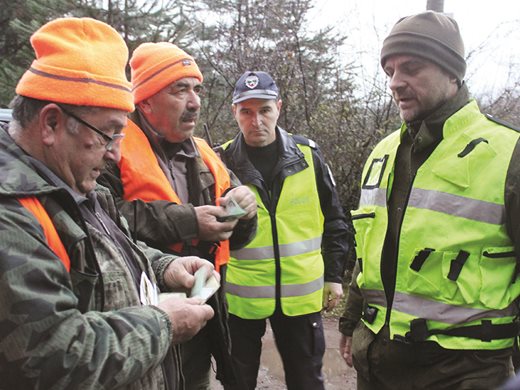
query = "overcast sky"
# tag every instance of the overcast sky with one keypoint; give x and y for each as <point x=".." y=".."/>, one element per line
<point x="492" y="25"/>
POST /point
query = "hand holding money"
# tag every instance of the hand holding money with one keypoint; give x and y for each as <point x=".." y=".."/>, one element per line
<point x="239" y="203"/>
<point x="233" y="211"/>
<point x="206" y="284"/>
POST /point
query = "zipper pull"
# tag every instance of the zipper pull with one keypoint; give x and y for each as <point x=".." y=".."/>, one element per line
<point x="98" y="216"/>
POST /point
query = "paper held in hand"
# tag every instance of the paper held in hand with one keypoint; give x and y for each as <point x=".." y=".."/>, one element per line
<point x="233" y="211"/>
<point x="204" y="286"/>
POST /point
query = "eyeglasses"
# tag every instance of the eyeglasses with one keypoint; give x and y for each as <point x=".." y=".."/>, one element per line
<point x="109" y="142"/>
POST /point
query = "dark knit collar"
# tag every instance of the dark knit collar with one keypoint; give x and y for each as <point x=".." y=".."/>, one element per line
<point x="429" y="130"/>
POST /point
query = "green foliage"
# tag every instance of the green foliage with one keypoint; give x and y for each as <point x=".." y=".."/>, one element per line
<point x="19" y="19"/>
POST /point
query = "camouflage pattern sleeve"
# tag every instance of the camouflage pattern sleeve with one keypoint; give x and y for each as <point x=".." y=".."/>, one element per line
<point x="45" y="341"/>
<point x="159" y="260"/>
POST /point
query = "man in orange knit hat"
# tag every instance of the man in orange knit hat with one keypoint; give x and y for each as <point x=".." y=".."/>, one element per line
<point x="173" y="188"/>
<point x="79" y="300"/>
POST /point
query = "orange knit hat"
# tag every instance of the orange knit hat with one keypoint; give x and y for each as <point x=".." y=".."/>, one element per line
<point x="79" y="61"/>
<point x="156" y="65"/>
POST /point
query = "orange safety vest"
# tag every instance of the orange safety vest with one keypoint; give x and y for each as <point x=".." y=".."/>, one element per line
<point x="143" y="178"/>
<point x="51" y="235"/>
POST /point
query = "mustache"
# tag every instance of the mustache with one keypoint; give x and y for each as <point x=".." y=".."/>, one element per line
<point x="402" y="94"/>
<point x="398" y="96"/>
<point x="189" y="116"/>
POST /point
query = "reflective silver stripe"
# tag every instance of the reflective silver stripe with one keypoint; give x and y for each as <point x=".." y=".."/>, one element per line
<point x="477" y="210"/>
<point x="286" y="250"/>
<point x="250" y="291"/>
<point x="295" y="290"/>
<point x="373" y="197"/>
<point x="460" y="206"/>
<point x="374" y="297"/>
<point x="291" y="290"/>
<point x="436" y="311"/>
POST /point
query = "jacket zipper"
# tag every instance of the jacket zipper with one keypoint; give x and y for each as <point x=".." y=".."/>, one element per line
<point x="100" y="220"/>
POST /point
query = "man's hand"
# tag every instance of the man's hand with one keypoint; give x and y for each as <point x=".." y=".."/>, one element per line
<point x="345" y="348"/>
<point x="187" y="315"/>
<point x="209" y="228"/>
<point x="179" y="273"/>
<point x="245" y="199"/>
<point x="332" y="293"/>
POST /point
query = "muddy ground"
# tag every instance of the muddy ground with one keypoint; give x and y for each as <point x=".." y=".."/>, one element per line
<point x="337" y="375"/>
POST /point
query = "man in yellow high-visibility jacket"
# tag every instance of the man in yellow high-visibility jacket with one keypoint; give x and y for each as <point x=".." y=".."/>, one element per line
<point x="293" y="267"/>
<point x="437" y="228"/>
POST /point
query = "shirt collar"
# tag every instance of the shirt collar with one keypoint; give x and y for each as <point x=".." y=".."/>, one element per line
<point x="186" y="148"/>
<point x="55" y="180"/>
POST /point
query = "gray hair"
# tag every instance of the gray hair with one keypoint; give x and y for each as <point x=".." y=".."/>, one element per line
<point x="25" y="110"/>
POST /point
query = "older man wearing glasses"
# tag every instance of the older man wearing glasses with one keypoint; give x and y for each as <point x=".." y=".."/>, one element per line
<point x="79" y="302"/>
<point x="109" y="142"/>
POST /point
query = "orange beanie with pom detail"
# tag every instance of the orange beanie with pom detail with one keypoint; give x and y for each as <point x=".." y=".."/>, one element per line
<point x="157" y="65"/>
<point x="79" y="61"/>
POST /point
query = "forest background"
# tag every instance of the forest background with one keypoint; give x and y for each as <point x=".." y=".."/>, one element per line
<point x="340" y="103"/>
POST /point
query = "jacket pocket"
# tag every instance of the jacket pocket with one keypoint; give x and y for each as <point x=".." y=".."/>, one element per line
<point x="363" y="221"/>
<point x="84" y="287"/>
<point x="117" y="290"/>
<point x="498" y="265"/>
<point x="437" y="276"/>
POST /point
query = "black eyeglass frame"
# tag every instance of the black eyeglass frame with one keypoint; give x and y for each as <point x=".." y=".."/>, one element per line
<point x="110" y="141"/>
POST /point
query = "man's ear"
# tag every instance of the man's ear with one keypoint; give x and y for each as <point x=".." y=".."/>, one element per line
<point x="144" y="106"/>
<point x="234" y="109"/>
<point x="279" y="108"/>
<point x="50" y="119"/>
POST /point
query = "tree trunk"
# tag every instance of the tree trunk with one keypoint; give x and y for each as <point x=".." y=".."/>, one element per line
<point x="435" y="5"/>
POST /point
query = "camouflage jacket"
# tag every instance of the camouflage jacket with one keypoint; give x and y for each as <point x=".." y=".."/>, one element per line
<point x="80" y="330"/>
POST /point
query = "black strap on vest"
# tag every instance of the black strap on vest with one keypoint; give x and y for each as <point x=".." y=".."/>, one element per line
<point x="470" y="146"/>
<point x="370" y="313"/>
<point x="486" y="331"/>
<point x="457" y="264"/>
<point x="420" y="258"/>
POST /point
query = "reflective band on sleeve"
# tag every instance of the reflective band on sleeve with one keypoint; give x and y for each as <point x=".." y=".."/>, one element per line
<point x="477" y="210"/>
<point x="436" y="311"/>
<point x="286" y="250"/>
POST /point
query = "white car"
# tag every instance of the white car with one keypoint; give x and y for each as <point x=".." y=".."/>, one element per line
<point x="5" y="115"/>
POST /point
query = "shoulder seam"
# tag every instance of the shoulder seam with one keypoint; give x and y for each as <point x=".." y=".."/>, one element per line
<point x="502" y="123"/>
<point x="300" y="139"/>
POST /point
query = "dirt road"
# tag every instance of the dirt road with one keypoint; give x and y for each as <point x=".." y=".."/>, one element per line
<point x="337" y="375"/>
